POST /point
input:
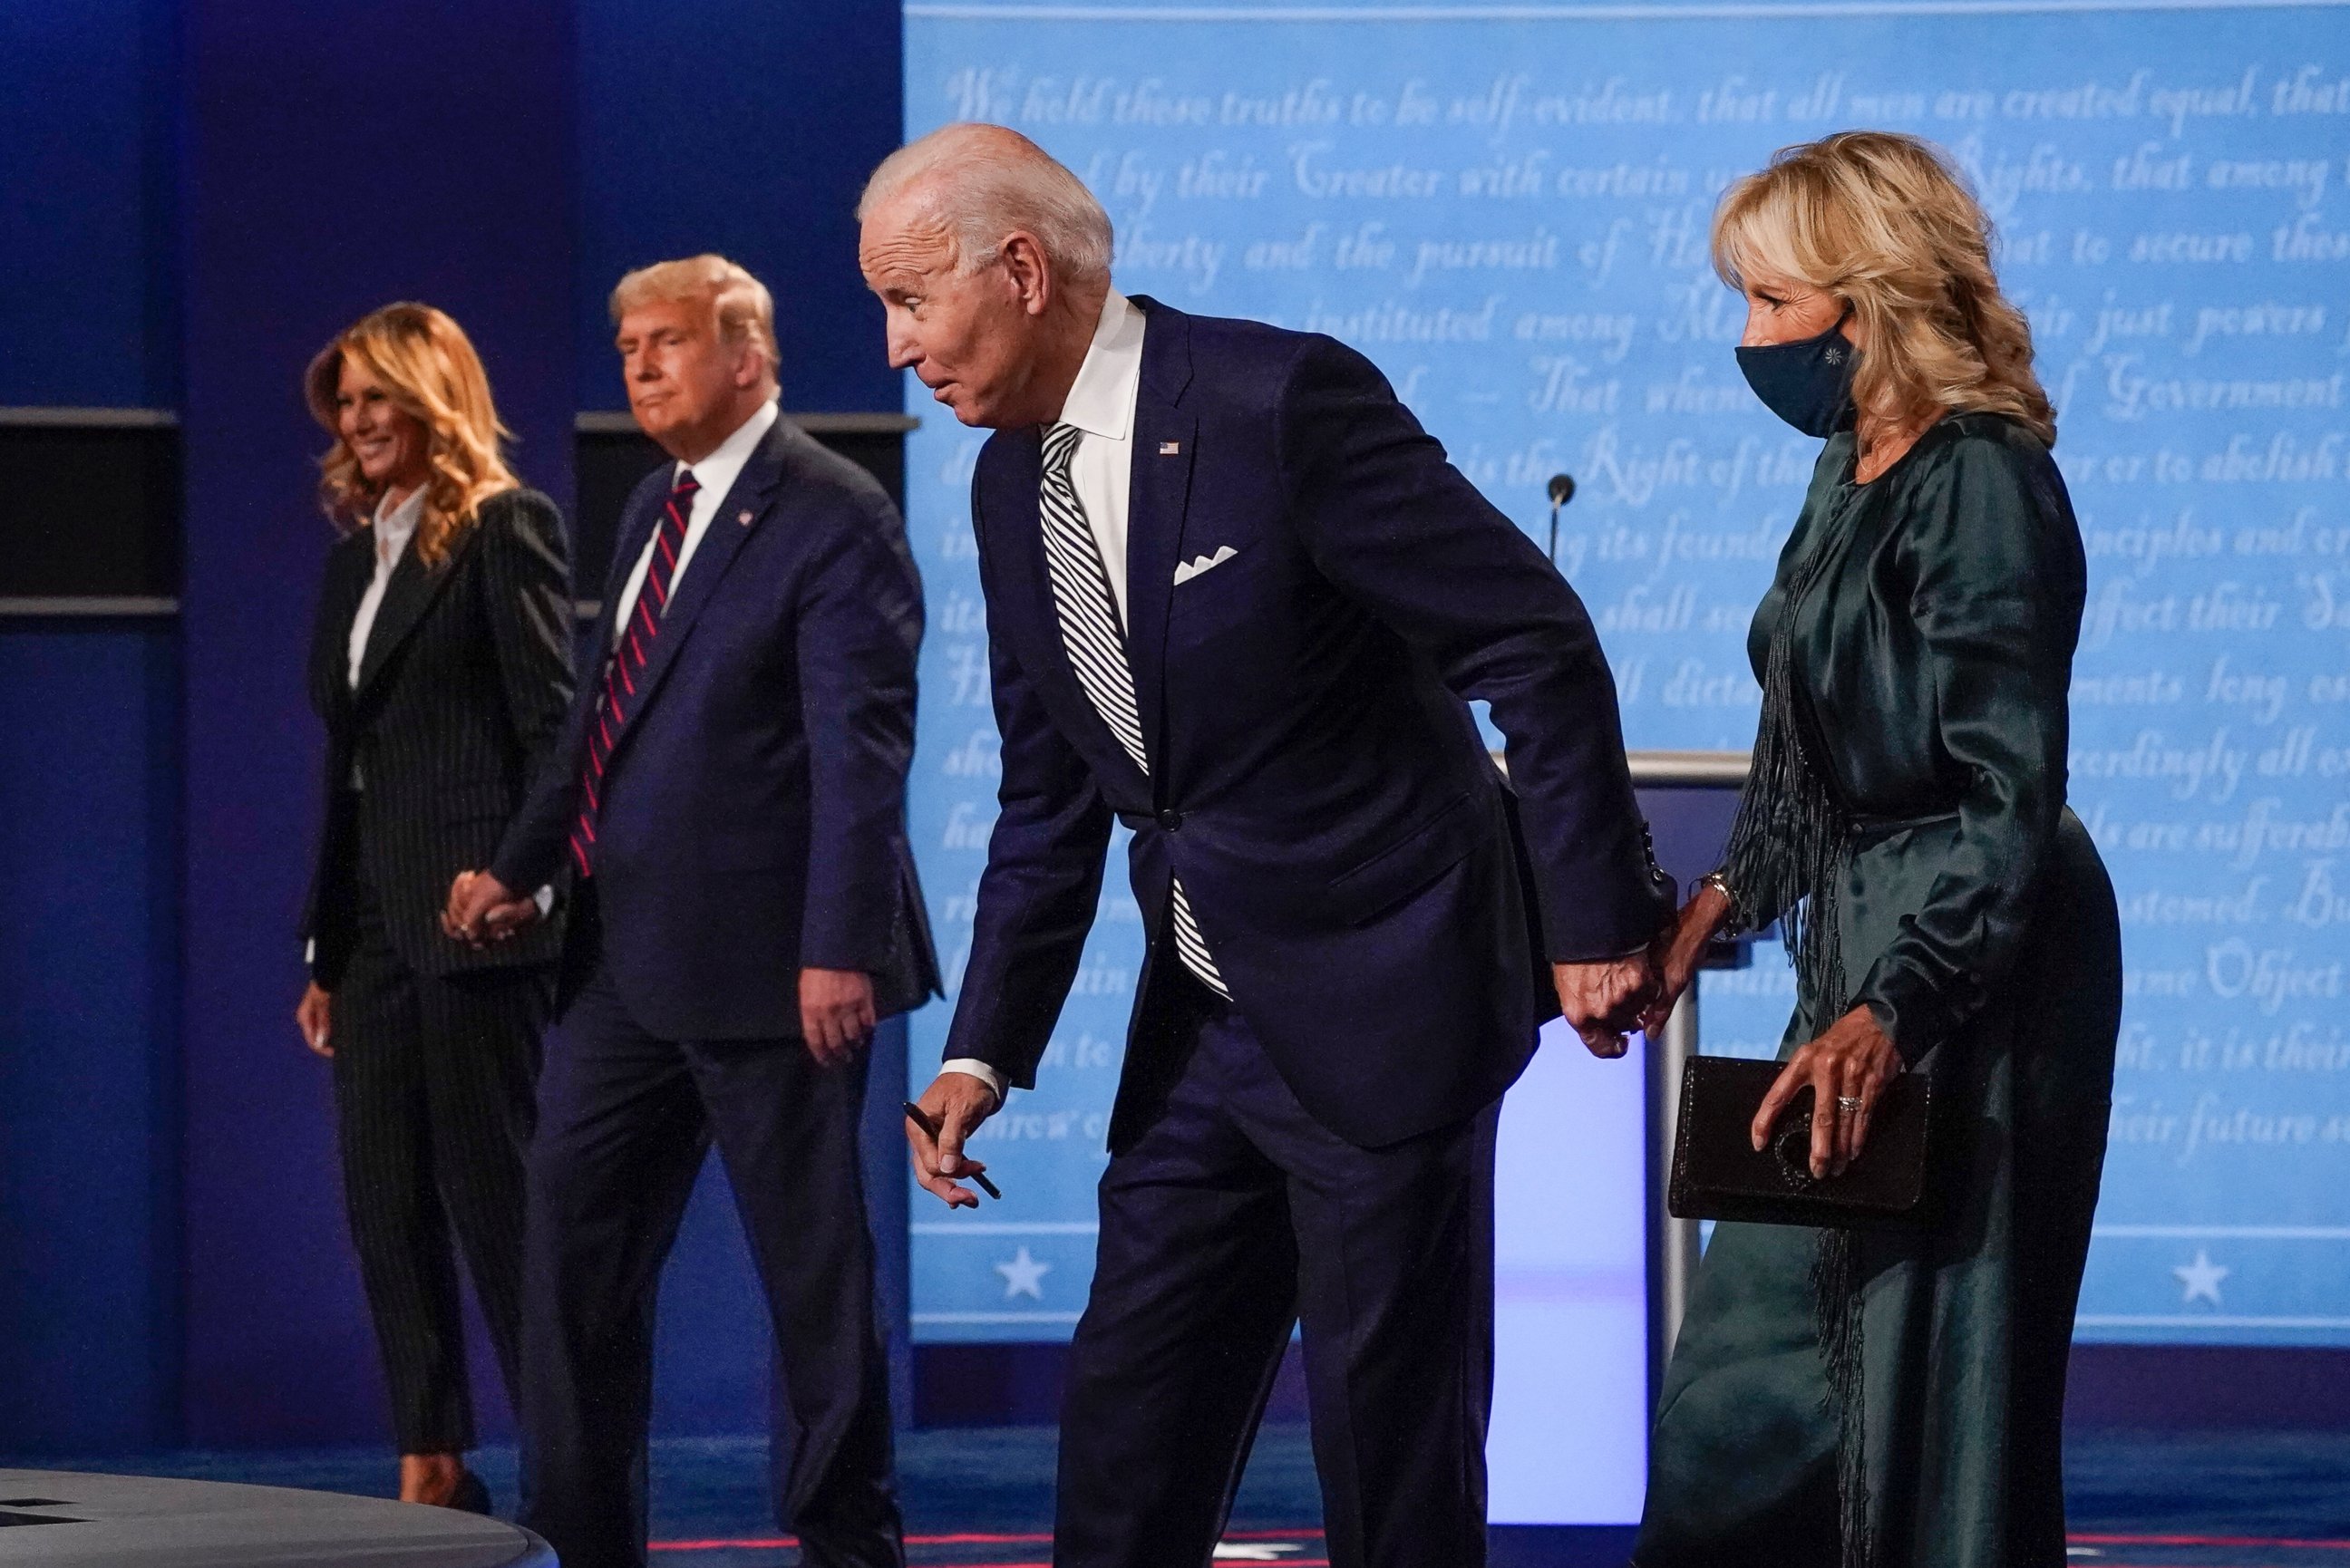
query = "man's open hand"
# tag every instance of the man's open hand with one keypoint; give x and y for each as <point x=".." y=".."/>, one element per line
<point x="955" y="1104"/>
<point x="481" y="909"/>
<point x="835" y="1014"/>
<point x="1603" y="1000"/>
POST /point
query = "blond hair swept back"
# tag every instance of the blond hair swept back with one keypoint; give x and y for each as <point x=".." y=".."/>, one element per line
<point x="745" y="310"/>
<point x="1885" y="222"/>
<point x="427" y="366"/>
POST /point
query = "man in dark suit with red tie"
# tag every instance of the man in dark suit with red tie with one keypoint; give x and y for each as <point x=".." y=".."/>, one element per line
<point x="729" y="798"/>
<point x="1236" y="600"/>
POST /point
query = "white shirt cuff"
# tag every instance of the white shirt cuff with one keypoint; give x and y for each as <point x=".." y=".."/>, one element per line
<point x="975" y="1067"/>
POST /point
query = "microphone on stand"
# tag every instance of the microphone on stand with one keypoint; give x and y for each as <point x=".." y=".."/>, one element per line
<point x="1561" y="490"/>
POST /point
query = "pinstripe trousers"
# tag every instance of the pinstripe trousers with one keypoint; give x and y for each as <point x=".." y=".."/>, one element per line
<point x="434" y="1078"/>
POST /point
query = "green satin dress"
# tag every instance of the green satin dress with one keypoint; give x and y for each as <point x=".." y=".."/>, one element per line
<point x="1932" y="661"/>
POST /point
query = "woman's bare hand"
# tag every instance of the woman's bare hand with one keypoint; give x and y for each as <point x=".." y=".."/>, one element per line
<point x="314" y="1015"/>
<point x="1679" y="949"/>
<point x="1852" y="1062"/>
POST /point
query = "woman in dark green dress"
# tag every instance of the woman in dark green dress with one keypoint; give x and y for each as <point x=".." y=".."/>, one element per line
<point x="1868" y="1400"/>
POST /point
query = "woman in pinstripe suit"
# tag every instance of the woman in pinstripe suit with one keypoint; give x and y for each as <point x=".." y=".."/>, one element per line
<point x="442" y="665"/>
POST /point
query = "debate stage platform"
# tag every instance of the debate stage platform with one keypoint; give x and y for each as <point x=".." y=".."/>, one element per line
<point x="66" y="1517"/>
<point x="981" y="1497"/>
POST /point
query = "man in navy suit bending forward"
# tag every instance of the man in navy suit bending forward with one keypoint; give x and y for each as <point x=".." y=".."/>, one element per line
<point x="1238" y="599"/>
<point x="728" y="798"/>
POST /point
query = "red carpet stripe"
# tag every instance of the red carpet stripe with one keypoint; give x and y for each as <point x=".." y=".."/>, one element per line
<point x="2283" y="1541"/>
<point x="753" y="1545"/>
<point x="958" y="1538"/>
<point x="993" y="1538"/>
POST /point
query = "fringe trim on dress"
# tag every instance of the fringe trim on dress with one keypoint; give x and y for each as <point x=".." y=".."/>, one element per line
<point x="1789" y="851"/>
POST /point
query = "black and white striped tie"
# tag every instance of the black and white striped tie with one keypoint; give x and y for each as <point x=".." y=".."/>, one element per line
<point x="1097" y="648"/>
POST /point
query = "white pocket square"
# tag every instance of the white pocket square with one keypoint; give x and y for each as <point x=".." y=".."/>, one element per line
<point x="1193" y="568"/>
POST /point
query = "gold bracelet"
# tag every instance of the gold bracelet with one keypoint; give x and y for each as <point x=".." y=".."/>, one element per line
<point x="1718" y="883"/>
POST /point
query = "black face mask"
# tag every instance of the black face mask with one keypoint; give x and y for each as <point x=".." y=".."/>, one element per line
<point x="1807" y="384"/>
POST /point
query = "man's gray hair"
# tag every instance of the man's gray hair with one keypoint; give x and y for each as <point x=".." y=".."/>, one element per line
<point x="981" y="182"/>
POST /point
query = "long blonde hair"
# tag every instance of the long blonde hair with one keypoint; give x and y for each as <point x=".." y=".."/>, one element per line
<point x="428" y="366"/>
<point x="1884" y="221"/>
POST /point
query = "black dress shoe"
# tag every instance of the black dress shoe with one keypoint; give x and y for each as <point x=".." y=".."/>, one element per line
<point x="471" y="1496"/>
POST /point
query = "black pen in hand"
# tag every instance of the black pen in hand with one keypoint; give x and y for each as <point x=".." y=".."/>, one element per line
<point x="915" y="1115"/>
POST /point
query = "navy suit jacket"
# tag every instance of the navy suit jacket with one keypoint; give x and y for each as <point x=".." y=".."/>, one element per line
<point x="1382" y="907"/>
<point x="753" y="817"/>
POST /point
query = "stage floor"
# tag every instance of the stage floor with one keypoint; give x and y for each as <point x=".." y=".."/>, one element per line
<point x="983" y="1496"/>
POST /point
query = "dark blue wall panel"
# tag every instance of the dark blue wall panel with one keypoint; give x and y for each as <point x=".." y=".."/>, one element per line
<point x="85" y="94"/>
<point x="746" y="128"/>
<point x="334" y="158"/>
<point x="281" y="167"/>
<point x="88" y="841"/>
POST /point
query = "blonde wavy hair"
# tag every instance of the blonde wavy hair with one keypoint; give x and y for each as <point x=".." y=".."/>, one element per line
<point x="1885" y="222"/>
<point x="428" y="366"/>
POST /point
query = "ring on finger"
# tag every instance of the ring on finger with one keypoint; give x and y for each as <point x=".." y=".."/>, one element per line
<point x="1849" y="1104"/>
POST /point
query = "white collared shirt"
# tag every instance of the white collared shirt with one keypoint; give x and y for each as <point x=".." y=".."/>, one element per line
<point x="394" y="527"/>
<point x="716" y="474"/>
<point x="1100" y="404"/>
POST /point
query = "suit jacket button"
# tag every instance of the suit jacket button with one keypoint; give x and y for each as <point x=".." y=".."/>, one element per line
<point x="1171" y="820"/>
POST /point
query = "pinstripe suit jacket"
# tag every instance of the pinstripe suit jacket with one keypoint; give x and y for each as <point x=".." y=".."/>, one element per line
<point x="464" y="683"/>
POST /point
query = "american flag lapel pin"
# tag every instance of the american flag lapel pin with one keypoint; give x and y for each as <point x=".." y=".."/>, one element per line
<point x="1170" y="448"/>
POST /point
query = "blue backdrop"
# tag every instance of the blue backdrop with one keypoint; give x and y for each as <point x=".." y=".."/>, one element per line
<point x="198" y="192"/>
<point x="1505" y="206"/>
<point x="89" y="748"/>
<point x="2171" y="182"/>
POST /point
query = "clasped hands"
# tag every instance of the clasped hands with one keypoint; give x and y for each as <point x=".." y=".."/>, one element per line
<point x="837" y="1006"/>
<point x="1605" y="1000"/>
<point x="481" y="909"/>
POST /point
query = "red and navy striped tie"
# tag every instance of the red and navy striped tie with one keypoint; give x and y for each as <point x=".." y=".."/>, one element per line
<point x="632" y="645"/>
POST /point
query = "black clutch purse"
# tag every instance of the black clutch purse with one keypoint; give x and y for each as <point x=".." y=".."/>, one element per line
<point x="1718" y="1173"/>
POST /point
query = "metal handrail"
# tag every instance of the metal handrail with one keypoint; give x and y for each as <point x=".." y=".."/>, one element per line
<point x="1690" y="769"/>
<point x="1676" y="1254"/>
<point x="20" y="416"/>
<point x="51" y="607"/>
<point x="1675" y="1241"/>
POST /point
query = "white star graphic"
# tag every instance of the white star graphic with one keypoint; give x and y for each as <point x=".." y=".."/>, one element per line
<point x="2201" y="1278"/>
<point x="1023" y="1276"/>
